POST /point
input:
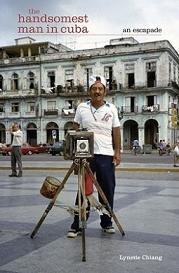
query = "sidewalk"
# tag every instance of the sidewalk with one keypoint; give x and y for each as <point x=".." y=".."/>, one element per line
<point x="65" y="164"/>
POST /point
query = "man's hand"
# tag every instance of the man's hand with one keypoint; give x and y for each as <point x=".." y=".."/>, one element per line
<point x="117" y="158"/>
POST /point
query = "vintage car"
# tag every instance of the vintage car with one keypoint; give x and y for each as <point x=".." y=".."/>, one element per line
<point x="26" y="149"/>
<point x="57" y="148"/>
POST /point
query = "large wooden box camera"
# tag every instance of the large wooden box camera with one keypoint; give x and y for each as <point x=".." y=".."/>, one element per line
<point x="79" y="144"/>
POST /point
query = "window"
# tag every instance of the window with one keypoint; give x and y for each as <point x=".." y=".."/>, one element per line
<point x="31" y="106"/>
<point x="88" y="74"/>
<point x="51" y="78"/>
<point x="31" y="79"/>
<point x="15" y="107"/>
<point x="131" y="80"/>
<point x="1" y="107"/>
<point x="69" y="104"/>
<point x="151" y="100"/>
<point x="130" y="75"/>
<point x="15" y="82"/>
<point x="130" y="104"/>
<point x="108" y="74"/>
<point x="133" y="104"/>
<point x="151" y="74"/>
<point x="69" y="78"/>
<point x="1" y="82"/>
<point x="169" y="72"/>
<point x="69" y="74"/>
<point x="174" y="72"/>
<point x="51" y="105"/>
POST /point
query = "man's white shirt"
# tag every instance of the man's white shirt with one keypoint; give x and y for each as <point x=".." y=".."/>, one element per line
<point x="17" y="138"/>
<point x="99" y="121"/>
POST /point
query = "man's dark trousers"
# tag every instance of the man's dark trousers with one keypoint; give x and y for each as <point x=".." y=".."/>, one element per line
<point x="16" y="159"/>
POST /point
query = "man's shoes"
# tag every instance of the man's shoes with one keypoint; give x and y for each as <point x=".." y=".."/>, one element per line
<point x="175" y="165"/>
<point x="73" y="233"/>
<point x="19" y="175"/>
<point x="13" y="175"/>
<point x="109" y="230"/>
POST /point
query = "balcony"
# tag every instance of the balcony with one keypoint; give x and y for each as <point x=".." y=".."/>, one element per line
<point x="13" y="115"/>
<point x="30" y="114"/>
<point x="51" y="112"/>
<point x="129" y="109"/>
<point x="70" y="113"/>
<point x="151" y="109"/>
<point x="48" y="92"/>
<point x="18" y="60"/>
<point x="4" y="94"/>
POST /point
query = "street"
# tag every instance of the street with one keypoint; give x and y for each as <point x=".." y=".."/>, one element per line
<point x="145" y="203"/>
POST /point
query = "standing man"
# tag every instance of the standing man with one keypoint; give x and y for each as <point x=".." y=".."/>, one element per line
<point x="176" y="154"/>
<point x="101" y="118"/>
<point x="16" y="150"/>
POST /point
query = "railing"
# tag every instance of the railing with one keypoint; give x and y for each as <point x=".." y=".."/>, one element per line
<point x="30" y="114"/>
<point x="129" y="109"/>
<point x="68" y="112"/>
<point x="150" y="109"/>
<point x="13" y="114"/>
<point x="15" y="93"/>
<point x="18" y="60"/>
<point x="51" y="112"/>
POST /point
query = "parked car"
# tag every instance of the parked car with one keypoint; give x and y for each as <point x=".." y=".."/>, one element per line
<point x="57" y="148"/>
<point x="26" y="149"/>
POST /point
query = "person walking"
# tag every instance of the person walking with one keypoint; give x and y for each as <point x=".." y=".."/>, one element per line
<point x="176" y="154"/>
<point x="16" y="150"/>
<point x="101" y="118"/>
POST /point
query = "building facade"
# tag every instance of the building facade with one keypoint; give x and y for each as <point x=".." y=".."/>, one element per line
<point x="41" y="85"/>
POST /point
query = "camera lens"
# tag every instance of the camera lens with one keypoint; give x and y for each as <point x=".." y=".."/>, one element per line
<point x="82" y="146"/>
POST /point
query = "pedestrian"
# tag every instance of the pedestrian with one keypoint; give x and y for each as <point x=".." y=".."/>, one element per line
<point x="161" y="147"/>
<point x="176" y="154"/>
<point x="101" y="118"/>
<point x="17" y="140"/>
<point x="136" y="146"/>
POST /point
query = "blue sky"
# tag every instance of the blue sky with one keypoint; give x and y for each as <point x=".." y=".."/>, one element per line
<point x="107" y="19"/>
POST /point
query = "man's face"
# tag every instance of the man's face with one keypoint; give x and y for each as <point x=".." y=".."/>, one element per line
<point x="97" y="92"/>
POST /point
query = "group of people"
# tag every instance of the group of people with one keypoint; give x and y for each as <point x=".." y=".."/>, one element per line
<point x="164" y="148"/>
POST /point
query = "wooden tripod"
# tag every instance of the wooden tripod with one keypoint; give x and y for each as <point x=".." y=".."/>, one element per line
<point x="82" y="166"/>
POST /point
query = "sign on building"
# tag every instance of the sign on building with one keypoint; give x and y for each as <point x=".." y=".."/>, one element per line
<point x="54" y="135"/>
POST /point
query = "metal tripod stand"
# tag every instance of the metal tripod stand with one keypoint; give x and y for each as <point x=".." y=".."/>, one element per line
<point x="82" y="166"/>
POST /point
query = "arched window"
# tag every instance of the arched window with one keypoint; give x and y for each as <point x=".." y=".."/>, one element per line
<point x="31" y="80"/>
<point x="15" y="81"/>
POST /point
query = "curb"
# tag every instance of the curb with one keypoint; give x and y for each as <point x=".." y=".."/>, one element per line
<point x="123" y="169"/>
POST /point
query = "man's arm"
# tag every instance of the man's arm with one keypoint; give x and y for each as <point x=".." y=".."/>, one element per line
<point x="116" y="133"/>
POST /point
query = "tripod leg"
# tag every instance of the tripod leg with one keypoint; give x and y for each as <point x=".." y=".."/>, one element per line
<point x="83" y="246"/>
<point x="49" y="207"/>
<point x="100" y="191"/>
<point x="82" y="207"/>
<point x="52" y="202"/>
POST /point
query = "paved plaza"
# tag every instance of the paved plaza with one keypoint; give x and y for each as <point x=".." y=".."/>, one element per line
<point x="146" y="203"/>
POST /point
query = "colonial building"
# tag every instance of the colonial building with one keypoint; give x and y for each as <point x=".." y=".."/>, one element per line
<point x="41" y="85"/>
